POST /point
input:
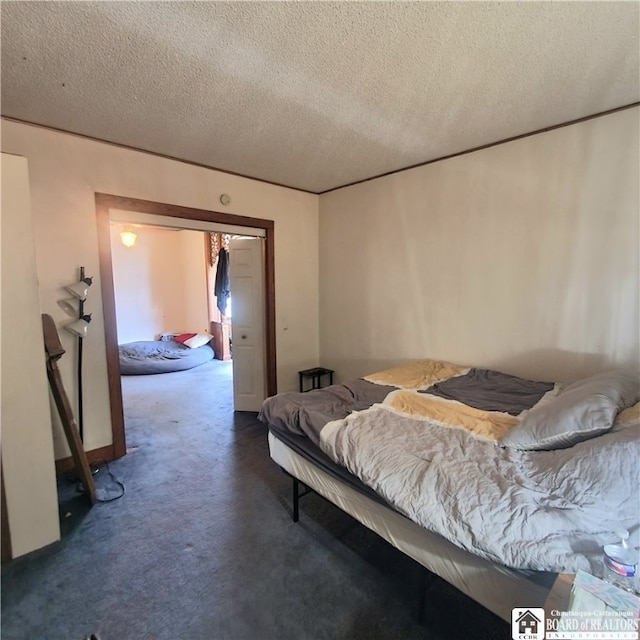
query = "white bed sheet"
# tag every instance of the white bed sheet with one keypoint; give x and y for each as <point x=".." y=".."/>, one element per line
<point x="495" y="587"/>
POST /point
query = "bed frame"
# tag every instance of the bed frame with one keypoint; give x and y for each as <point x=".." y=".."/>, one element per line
<point x="496" y="587"/>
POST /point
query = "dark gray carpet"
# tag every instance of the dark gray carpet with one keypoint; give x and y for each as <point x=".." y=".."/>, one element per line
<point x="202" y="545"/>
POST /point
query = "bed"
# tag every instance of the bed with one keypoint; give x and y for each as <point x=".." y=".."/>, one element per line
<point x="160" y="356"/>
<point x="493" y="482"/>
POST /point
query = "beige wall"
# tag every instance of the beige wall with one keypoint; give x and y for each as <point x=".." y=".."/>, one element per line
<point x="194" y="281"/>
<point x="160" y="283"/>
<point x="65" y="173"/>
<point x="27" y="442"/>
<point x="521" y="257"/>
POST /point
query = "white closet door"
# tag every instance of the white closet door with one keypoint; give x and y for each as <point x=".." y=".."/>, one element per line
<point x="246" y="264"/>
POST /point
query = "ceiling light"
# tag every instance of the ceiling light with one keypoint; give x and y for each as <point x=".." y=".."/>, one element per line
<point x="128" y="238"/>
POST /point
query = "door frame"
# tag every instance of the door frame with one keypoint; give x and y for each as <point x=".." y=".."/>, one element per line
<point x="104" y="202"/>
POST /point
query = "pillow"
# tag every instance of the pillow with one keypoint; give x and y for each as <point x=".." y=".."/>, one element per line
<point x="183" y="337"/>
<point x="582" y="409"/>
<point x="198" y="340"/>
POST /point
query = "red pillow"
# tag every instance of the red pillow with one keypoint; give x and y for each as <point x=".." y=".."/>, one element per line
<point x="183" y="337"/>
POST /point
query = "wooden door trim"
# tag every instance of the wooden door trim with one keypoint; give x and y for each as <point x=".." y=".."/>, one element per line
<point x="104" y="202"/>
<point x="7" y="552"/>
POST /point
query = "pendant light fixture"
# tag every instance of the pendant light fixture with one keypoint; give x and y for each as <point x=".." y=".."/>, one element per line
<point x="128" y="238"/>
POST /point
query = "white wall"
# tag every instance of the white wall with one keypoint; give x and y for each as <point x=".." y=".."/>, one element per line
<point x="67" y="170"/>
<point x="521" y="257"/>
<point x="160" y="283"/>
<point x="27" y="440"/>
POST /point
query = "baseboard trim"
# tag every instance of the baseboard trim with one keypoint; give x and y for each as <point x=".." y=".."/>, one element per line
<point x="102" y="454"/>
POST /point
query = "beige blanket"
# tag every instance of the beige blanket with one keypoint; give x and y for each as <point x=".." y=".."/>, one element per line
<point x="418" y="375"/>
<point x="490" y="425"/>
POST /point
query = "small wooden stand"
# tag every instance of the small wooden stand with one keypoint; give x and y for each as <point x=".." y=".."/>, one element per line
<point x="221" y="343"/>
<point x="54" y="351"/>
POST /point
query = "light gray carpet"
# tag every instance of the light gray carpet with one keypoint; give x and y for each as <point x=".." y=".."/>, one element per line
<point x="202" y="546"/>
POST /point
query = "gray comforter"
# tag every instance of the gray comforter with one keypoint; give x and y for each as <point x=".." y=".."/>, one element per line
<point x="305" y="414"/>
<point x="426" y="437"/>
<point x="543" y="510"/>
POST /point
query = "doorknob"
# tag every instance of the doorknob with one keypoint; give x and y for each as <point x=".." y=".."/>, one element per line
<point x="244" y="337"/>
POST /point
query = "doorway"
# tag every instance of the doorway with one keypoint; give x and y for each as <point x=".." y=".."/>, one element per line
<point x="193" y="218"/>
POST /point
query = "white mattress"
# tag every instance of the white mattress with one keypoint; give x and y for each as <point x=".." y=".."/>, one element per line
<point x="495" y="587"/>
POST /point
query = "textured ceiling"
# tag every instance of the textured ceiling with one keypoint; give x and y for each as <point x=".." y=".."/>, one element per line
<point x="315" y="95"/>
